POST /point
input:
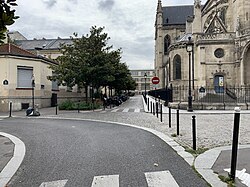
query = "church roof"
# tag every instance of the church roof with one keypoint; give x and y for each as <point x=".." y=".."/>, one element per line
<point x="177" y="15"/>
<point x="48" y="44"/>
<point x="185" y="37"/>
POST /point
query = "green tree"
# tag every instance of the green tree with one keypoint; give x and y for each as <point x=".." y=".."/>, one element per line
<point x="89" y="61"/>
<point x="130" y="83"/>
<point x="7" y="16"/>
<point x="121" y="77"/>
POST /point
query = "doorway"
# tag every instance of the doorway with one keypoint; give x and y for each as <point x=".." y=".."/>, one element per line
<point x="219" y="84"/>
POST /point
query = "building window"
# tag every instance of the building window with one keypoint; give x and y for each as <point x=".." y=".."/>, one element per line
<point x="134" y="72"/>
<point x="167" y="42"/>
<point x="219" y="53"/>
<point x="24" y="77"/>
<point x="247" y="16"/>
<point x="177" y="67"/>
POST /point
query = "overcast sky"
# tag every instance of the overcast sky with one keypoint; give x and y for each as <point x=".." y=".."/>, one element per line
<point x="129" y="23"/>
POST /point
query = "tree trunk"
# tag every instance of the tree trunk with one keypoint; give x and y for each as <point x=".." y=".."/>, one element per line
<point x="86" y="95"/>
<point x="105" y="89"/>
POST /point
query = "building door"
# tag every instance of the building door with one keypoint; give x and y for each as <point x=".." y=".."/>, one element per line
<point x="219" y="83"/>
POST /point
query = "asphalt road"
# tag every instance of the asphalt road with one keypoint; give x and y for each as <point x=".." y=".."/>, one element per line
<point x="79" y="150"/>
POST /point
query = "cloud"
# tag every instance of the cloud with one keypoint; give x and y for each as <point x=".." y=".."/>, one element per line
<point x="106" y="5"/>
<point x="49" y="3"/>
<point x="73" y="1"/>
<point x="129" y="23"/>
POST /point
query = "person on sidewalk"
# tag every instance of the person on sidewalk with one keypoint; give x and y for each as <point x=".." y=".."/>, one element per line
<point x="104" y="100"/>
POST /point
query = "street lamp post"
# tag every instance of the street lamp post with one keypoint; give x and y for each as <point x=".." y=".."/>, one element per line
<point x="145" y="77"/>
<point x="33" y="93"/>
<point x="189" y="48"/>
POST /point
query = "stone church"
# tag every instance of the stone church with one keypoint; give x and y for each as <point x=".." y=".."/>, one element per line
<point x="220" y="55"/>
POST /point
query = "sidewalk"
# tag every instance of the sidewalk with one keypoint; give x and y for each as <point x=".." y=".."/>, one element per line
<point x="165" y="109"/>
<point x="213" y="130"/>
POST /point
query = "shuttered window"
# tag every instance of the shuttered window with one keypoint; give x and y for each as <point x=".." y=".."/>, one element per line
<point x="24" y="77"/>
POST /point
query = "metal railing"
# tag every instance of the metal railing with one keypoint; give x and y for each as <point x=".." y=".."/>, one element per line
<point x="227" y="94"/>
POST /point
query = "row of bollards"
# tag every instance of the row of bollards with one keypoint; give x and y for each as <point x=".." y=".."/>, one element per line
<point x="154" y="108"/>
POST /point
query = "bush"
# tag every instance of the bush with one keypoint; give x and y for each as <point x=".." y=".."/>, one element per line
<point x="71" y="105"/>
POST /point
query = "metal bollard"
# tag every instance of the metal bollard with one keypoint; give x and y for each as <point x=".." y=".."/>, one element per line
<point x="169" y="116"/>
<point x="178" y="121"/>
<point x="148" y="104"/>
<point x="78" y="106"/>
<point x="153" y="108"/>
<point x="56" y="108"/>
<point x="194" y="132"/>
<point x="10" y="109"/>
<point x="161" y="112"/>
<point x="235" y="142"/>
<point x="156" y="108"/>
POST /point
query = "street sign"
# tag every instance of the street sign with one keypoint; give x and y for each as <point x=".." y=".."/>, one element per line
<point x="5" y="82"/>
<point x="155" y="80"/>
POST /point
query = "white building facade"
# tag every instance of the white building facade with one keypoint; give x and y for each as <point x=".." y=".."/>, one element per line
<point x="143" y="80"/>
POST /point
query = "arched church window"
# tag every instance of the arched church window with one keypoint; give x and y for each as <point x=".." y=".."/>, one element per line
<point x="177" y="67"/>
<point x="167" y="42"/>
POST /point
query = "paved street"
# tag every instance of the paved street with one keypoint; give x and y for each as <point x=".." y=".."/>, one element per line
<point x="78" y="151"/>
<point x="214" y="128"/>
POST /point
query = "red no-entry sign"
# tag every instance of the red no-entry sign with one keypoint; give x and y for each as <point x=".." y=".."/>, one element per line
<point x="155" y="80"/>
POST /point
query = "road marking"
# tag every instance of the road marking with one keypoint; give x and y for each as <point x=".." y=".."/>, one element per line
<point x="242" y="175"/>
<point x="59" y="183"/>
<point x="106" y="180"/>
<point x="115" y="110"/>
<point x="160" y="179"/>
<point x="154" y="179"/>
<point x="10" y="169"/>
<point x="137" y="110"/>
<point x="126" y="110"/>
<point x="103" y="112"/>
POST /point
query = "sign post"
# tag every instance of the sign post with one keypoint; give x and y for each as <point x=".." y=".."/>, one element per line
<point x="155" y="81"/>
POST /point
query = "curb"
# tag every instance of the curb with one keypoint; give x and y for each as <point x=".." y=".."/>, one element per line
<point x="14" y="163"/>
<point x="204" y="163"/>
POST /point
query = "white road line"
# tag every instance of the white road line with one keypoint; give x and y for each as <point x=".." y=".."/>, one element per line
<point x="160" y="179"/>
<point x="60" y="183"/>
<point x="126" y="110"/>
<point x="137" y="110"/>
<point x="115" y="110"/>
<point x="106" y="180"/>
<point x="103" y="112"/>
<point x="14" y="163"/>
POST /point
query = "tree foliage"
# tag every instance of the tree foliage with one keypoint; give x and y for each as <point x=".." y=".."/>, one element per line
<point x="90" y="61"/>
<point x="7" y="16"/>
